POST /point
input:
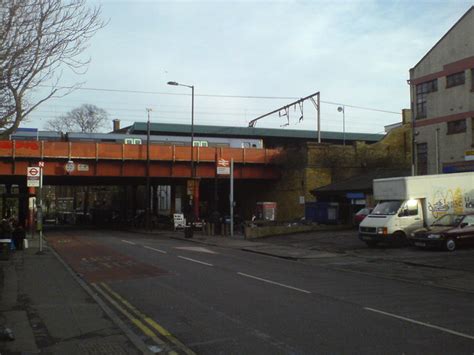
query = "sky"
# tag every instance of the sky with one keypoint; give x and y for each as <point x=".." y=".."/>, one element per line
<point x="248" y="58"/>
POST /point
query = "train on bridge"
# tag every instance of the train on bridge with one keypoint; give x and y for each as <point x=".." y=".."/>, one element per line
<point x="199" y="141"/>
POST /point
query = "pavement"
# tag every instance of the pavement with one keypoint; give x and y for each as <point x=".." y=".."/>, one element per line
<point x="49" y="309"/>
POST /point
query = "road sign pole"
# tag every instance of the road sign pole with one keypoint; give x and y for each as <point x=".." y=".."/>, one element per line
<point x="39" y="212"/>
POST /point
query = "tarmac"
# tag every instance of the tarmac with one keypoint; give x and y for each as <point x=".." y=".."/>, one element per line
<point x="51" y="310"/>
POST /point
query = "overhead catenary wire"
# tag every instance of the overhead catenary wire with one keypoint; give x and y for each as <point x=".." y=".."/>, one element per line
<point x="220" y="96"/>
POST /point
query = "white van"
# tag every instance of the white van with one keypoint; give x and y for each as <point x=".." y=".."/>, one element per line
<point x="409" y="203"/>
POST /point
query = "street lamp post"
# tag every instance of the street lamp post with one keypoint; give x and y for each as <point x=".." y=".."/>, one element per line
<point x="147" y="210"/>
<point x="193" y="170"/>
<point x="343" y="110"/>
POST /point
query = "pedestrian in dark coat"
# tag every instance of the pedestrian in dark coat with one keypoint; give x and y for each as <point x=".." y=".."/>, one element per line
<point x="19" y="236"/>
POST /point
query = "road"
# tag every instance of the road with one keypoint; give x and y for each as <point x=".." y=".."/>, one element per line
<point x="188" y="298"/>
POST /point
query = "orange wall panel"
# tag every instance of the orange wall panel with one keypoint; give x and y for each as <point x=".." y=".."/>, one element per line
<point x="110" y="150"/>
<point x="161" y="152"/>
<point x="83" y="150"/>
<point x="56" y="149"/>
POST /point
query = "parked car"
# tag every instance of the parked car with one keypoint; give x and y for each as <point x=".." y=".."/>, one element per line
<point x="361" y="214"/>
<point x="448" y="232"/>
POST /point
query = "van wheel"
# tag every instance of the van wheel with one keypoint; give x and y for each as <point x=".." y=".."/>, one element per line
<point x="401" y="238"/>
<point x="372" y="243"/>
<point x="450" y="245"/>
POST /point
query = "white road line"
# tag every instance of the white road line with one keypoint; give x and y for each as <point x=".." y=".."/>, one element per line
<point x="195" y="261"/>
<point x="446" y="330"/>
<point x="273" y="282"/>
<point x="158" y="250"/>
<point x="126" y="241"/>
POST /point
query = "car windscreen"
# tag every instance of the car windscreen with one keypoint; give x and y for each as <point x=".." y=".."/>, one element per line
<point x="364" y="211"/>
<point x="448" y="220"/>
<point x="387" y="207"/>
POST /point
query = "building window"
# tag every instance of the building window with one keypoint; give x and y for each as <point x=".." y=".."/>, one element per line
<point x="455" y="79"/>
<point x="472" y="79"/>
<point x="472" y="131"/>
<point x="422" y="159"/>
<point x="421" y="94"/>
<point x="458" y="126"/>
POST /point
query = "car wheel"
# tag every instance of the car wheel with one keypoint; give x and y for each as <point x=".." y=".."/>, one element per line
<point x="372" y="244"/>
<point x="450" y="244"/>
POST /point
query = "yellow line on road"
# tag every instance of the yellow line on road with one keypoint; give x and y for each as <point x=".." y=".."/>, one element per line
<point x="150" y="321"/>
<point x="145" y="330"/>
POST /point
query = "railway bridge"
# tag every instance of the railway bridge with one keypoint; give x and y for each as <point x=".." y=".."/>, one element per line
<point x="98" y="163"/>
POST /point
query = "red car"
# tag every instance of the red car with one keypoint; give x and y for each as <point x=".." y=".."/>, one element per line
<point x="446" y="232"/>
<point x="359" y="216"/>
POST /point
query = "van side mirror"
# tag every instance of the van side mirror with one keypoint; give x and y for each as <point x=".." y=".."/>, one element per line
<point x="462" y="225"/>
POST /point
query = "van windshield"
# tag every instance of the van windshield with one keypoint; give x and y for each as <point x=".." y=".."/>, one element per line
<point x="387" y="207"/>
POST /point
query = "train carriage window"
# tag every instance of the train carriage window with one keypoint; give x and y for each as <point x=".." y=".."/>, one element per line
<point x="200" y="144"/>
<point x="254" y="145"/>
<point x="133" y="141"/>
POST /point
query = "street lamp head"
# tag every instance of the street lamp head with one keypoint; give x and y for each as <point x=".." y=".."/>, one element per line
<point x="173" y="83"/>
<point x="340" y="109"/>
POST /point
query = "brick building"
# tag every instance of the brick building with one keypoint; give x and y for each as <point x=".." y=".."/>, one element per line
<point x="442" y="98"/>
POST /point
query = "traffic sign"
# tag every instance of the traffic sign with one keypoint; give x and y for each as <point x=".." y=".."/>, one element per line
<point x="32" y="171"/>
<point x="223" y="167"/>
<point x="41" y="164"/>
<point x="70" y="166"/>
<point x="33" y="176"/>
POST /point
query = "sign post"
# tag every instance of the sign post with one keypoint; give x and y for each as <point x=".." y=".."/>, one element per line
<point x="39" y="208"/>
<point x="34" y="176"/>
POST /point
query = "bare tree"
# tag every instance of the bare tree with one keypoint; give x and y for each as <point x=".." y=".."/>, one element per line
<point x="87" y="118"/>
<point x="38" y="38"/>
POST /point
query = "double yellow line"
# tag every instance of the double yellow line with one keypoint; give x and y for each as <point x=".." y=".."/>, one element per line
<point x="162" y="337"/>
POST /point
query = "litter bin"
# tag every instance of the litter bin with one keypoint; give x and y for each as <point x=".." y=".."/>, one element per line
<point x="188" y="232"/>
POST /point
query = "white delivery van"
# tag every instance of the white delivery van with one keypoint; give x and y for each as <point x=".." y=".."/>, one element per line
<point x="408" y="203"/>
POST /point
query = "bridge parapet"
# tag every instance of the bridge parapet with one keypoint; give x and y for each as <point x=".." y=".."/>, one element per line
<point x="118" y="151"/>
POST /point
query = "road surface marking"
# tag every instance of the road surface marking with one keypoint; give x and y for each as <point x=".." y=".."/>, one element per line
<point x="126" y="241"/>
<point x="197" y="249"/>
<point x="273" y="282"/>
<point x="158" y="250"/>
<point x="150" y="321"/>
<point x="145" y="330"/>
<point x="446" y="330"/>
<point x="195" y="261"/>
